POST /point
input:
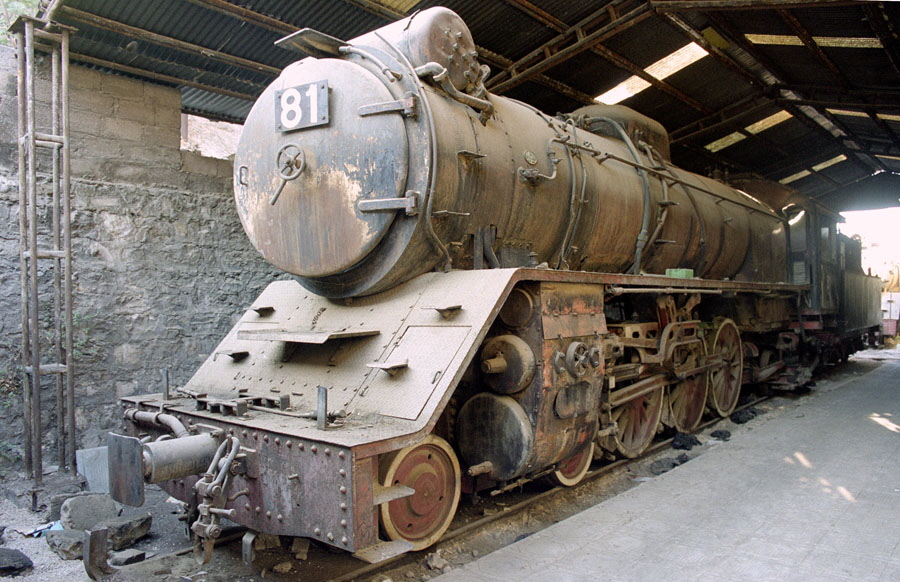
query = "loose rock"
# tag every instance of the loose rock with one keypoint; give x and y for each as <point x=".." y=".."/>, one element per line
<point x="126" y="557"/>
<point x="435" y="562"/>
<point x="67" y="543"/>
<point x="56" y="502"/>
<point x="660" y="466"/>
<point x="684" y="441"/>
<point x="282" y="567"/>
<point x="266" y="542"/>
<point x="13" y="562"/>
<point x="745" y="415"/>
<point x="124" y="531"/>
<point x="300" y="548"/>
<point x="85" y="511"/>
<point x="722" y="435"/>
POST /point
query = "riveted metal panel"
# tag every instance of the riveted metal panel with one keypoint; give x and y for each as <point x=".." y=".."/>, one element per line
<point x="427" y="351"/>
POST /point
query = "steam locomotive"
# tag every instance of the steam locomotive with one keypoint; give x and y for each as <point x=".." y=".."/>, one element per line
<point x="485" y="295"/>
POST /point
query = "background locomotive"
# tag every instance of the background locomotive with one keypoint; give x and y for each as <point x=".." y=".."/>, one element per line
<point x="482" y="299"/>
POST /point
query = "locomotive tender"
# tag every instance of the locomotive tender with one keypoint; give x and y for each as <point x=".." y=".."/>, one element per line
<point x="481" y="300"/>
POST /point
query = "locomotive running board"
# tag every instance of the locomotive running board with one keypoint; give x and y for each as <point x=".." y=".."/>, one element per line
<point x="383" y="551"/>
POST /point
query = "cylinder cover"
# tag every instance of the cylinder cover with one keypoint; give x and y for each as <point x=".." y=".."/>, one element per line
<point x="496" y="429"/>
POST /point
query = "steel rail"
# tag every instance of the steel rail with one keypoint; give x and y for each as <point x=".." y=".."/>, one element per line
<point x="519" y="507"/>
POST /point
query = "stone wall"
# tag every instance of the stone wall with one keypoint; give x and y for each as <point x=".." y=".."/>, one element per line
<point x="162" y="267"/>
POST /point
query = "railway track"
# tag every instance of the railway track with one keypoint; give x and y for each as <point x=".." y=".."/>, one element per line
<point x="370" y="571"/>
<point x="510" y="508"/>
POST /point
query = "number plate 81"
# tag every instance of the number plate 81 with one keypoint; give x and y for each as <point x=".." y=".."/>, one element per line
<point x="301" y="106"/>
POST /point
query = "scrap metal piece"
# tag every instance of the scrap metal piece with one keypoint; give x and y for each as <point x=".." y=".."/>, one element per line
<point x="382" y="551"/>
<point x="94" y="554"/>
<point x="126" y="470"/>
<point x="247" y="540"/>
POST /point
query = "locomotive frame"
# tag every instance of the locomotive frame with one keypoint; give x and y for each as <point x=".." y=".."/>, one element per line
<point x="355" y="406"/>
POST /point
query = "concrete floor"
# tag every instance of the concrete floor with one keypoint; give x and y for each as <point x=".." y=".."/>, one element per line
<point x="812" y="493"/>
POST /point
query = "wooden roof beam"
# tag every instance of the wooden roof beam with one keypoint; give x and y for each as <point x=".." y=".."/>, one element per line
<point x="807" y="39"/>
<point x="724" y="118"/>
<point x="558" y="25"/>
<point x="246" y="15"/>
<point x="739" y="5"/>
<point x="719" y="55"/>
<point x="177" y="81"/>
<point x="883" y="126"/>
<point x="164" y="41"/>
<point x="566" y="45"/>
<point x="885" y="31"/>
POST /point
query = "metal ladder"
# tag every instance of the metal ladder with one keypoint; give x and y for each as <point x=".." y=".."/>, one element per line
<point x="45" y="243"/>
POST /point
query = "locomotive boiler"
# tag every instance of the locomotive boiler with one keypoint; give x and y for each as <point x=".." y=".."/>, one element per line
<point x="485" y="295"/>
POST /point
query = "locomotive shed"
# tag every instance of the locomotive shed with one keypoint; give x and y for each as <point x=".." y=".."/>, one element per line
<point x="531" y="252"/>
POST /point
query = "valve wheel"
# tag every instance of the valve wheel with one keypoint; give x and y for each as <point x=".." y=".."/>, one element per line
<point x="290" y="162"/>
<point x="725" y="381"/>
<point x="577" y="359"/>
<point x="432" y="470"/>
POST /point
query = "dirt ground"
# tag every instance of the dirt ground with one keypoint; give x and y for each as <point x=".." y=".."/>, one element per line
<point x="168" y="534"/>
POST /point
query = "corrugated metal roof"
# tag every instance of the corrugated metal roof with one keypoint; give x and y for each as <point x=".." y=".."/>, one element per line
<point x="221" y="54"/>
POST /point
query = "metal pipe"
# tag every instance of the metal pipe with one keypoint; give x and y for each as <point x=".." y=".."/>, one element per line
<point x="645" y="181"/>
<point x="666" y="290"/>
<point x="322" y="408"/>
<point x="442" y="77"/>
<point x="31" y="169"/>
<point x="67" y="245"/>
<point x="157" y="419"/>
<point x="179" y="457"/>
<point x="432" y="145"/>
<point x="23" y="247"/>
<point x="56" y="236"/>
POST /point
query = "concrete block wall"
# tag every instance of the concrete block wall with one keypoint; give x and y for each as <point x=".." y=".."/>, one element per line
<point x="162" y="267"/>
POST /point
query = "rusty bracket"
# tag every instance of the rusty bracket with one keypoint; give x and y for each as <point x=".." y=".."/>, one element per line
<point x="392" y="368"/>
<point x="236" y="356"/>
<point x="406" y="106"/>
<point x="448" y="311"/>
<point x="408" y="203"/>
<point x="467" y="157"/>
<point x="312" y="42"/>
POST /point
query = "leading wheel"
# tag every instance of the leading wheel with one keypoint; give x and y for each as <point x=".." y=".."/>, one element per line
<point x="725" y="381"/>
<point x="638" y="422"/>
<point x="432" y="470"/>
<point x="572" y="470"/>
<point x="687" y="398"/>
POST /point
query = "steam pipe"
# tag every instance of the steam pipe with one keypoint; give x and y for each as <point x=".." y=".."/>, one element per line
<point x="157" y="419"/>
